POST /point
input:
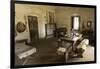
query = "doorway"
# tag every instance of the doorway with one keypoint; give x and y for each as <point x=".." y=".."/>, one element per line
<point x="33" y="27"/>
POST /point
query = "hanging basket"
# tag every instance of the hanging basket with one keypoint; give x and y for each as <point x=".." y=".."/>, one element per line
<point x="20" y="27"/>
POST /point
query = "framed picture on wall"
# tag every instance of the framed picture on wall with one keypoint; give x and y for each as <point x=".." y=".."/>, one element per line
<point x="36" y="20"/>
<point x="89" y="24"/>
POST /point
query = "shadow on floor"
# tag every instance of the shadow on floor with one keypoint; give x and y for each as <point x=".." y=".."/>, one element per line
<point x="46" y="54"/>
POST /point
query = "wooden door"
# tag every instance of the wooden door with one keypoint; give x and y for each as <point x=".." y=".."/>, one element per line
<point x="33" y="27"/>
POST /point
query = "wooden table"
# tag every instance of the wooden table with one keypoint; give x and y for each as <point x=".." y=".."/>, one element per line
<point x="71" y="40"/>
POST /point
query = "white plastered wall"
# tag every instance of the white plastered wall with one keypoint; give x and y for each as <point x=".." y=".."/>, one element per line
<point x="24" y="10"/>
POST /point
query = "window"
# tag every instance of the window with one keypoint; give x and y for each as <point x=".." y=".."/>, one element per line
<point x="75" y="22"/>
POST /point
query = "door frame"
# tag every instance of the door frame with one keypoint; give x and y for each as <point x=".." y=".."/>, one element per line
<point x="28" y="29"/>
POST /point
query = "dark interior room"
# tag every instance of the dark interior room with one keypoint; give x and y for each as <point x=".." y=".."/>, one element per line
<point x="53" y="34"/>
